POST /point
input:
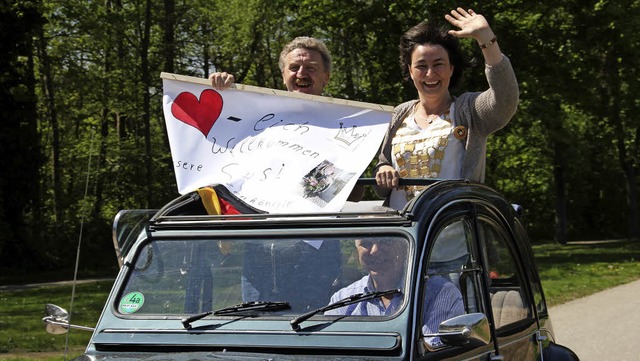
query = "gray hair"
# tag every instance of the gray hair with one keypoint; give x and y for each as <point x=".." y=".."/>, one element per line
<point x="308" y="43"/>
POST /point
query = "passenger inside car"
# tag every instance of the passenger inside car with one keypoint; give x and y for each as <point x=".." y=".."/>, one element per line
<point x="450" y="258"/>
<point x="450" y="253"/>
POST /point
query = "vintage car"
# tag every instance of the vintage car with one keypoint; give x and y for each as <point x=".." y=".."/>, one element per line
<point x="450" y="277"/>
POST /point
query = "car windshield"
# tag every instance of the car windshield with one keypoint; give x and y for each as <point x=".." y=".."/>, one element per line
<point x="186" y="277"/>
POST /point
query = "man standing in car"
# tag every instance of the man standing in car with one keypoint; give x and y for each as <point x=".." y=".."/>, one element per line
<point x="305" y="64"/>
<point x="271" y="269"/>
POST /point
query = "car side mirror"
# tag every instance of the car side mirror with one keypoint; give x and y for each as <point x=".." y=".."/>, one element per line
<point x="470" y="330"/>
<point x="56" y="320"/>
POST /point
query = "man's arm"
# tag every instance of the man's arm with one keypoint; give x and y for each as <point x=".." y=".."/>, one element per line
<point x="443" y="301"/>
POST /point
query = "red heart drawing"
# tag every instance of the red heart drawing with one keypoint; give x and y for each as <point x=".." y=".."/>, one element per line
<point x="200" y="114"/>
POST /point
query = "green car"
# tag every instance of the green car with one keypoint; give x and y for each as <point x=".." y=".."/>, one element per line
<point x="449" y="277"/>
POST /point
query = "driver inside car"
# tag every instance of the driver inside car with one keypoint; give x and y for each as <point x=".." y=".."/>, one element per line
<point x="385" y="261"/>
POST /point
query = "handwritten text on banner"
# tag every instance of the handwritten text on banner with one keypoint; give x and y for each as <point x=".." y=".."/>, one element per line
<point x="277" y="151"/>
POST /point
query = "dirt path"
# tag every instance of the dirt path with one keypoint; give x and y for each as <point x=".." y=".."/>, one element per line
<point x="60" y="283"/>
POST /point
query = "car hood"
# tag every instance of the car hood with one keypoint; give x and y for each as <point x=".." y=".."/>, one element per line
<point x="209" y="355"/>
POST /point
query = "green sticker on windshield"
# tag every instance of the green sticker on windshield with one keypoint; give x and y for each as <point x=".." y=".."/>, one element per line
<point x="131" y="302"/>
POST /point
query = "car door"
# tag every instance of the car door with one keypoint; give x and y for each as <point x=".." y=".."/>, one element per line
<point x="506" y="291"/>
<point x="452" y="254"/>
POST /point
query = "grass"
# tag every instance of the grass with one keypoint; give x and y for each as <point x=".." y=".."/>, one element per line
<point x="21" y="311"/>
<point x="568" y="272"/>
<point x="577" y="270"/>
<point x="41" y="356"/>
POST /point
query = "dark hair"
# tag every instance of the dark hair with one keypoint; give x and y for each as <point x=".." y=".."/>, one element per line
<point x="426" y="33"/>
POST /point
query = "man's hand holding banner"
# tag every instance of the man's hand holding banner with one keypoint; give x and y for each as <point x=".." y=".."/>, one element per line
<point x="277" y="151"/>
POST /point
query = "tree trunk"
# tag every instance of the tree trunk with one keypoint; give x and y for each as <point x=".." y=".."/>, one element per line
<point x="20" y="159"/>
<point x="559" y="146"/>
<point x="206" y="56"/>
<point x="614" y="109"/>
<point x="146" y="103"/>
<point x="169" y="58"/>
<point x="633" y="191"/>
<point x="627" y="165"/>
<point x="104" y="119"/>
<point x="632" y="200"/>
<point x="561" y="197"/>
<point x="52" y="115"/>
<point x="169" y="35"/>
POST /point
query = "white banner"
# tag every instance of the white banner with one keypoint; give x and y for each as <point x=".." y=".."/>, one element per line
<point x="277" y="151"/>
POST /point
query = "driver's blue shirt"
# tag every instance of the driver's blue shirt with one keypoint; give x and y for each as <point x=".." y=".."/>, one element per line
<point x="373" y="307"/>
<point x="443" y="300"/>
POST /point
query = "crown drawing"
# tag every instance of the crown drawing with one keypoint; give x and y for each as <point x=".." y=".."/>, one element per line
<point x="349" y="135"/>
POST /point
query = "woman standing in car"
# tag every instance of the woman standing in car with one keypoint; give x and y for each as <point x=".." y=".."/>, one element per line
<point x="439" y="135"/>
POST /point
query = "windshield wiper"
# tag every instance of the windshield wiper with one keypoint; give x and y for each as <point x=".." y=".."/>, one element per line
<point x="241" y="307"/>
<point x="358" y="297"/>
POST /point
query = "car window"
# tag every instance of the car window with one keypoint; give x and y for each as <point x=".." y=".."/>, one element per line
<point x="530" y="267"/>
<point x="382" y="266"/>
<point x="449" y="288"/>
<point x="129" y="226"/>
<point x="451" y="257"/>
<point x="508" y="297"/>
<point x="188" y="276"/>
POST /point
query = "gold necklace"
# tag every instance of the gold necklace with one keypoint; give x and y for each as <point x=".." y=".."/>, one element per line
<point x="429" y="119"/>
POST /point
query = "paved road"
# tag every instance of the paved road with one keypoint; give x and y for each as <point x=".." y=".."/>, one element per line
<point x="602" y="326"/>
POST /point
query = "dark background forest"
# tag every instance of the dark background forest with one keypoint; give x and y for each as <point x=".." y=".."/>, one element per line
<point x="82" y="132"/>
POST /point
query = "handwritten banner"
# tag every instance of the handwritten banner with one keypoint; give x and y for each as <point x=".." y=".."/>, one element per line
<point x="278" y="151"/>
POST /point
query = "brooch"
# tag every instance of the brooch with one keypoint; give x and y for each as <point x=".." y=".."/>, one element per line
<point x="460" y="132"/>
